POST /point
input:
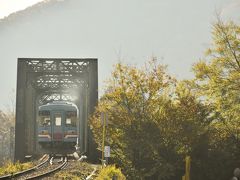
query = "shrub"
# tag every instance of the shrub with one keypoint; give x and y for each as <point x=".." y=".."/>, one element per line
<point x="109" y="172"/>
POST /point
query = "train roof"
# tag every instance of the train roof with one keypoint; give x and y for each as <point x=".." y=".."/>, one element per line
<point x="59" y="105"/>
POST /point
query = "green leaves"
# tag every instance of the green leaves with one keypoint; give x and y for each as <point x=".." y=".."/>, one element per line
<point x="153" y="123"/>
<point x="217" y="80"/>
<point x="155" y="120"/>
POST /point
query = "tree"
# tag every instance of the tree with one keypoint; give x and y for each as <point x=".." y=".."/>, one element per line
<point x="7" y="121"/>
<point x="217" y="80"/>
<point x="154" y="122"/>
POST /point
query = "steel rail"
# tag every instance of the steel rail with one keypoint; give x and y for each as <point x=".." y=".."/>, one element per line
<point x="61" y="166"/>
<point x="17" y="174"/>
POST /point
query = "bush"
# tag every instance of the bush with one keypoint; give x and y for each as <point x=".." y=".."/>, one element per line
<point x="109" y="172"/>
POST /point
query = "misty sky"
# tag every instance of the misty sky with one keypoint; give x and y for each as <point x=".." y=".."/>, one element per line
<point x="176" y="32"/>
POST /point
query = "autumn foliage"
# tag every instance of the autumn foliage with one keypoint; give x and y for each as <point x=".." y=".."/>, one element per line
<point x="155" y="120"/>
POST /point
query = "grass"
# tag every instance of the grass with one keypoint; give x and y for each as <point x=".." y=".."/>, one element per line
<point x="75" y="171"/>
<point x="10" y="168"/>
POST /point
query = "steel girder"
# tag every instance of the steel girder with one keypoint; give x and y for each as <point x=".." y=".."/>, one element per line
<point x="41" y="80"/>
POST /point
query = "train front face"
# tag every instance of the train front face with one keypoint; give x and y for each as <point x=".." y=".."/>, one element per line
<point x="57" y="126"/>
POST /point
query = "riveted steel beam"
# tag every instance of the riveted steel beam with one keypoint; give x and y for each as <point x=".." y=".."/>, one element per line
<point x="42" y="80"/>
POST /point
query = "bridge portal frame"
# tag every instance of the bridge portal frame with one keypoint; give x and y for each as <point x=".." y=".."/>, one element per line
<point x="41" y="80"/>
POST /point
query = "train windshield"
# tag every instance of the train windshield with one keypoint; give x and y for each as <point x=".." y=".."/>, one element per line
<point x="71" y="118"/>
<point x="44" y="118"/>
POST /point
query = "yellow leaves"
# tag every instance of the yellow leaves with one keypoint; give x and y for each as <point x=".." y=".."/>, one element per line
<point x="220" y="77"/>
<point x="146" y="106"/>
<point x="134" y="94"/>
<point x="149" y="106"/>
<point x="208" y="52"/>
<point x="219" y="132"/>
<point x="218" y="84"/>
<point x="133" y="86"/>
<point x="109" y="172"/>
<point x="201" y="70"/>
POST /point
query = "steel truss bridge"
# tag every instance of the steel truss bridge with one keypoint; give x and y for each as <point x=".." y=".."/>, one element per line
<point x="42" y="80"/>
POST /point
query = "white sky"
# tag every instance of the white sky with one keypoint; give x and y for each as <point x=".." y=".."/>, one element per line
<point x="176" y="32"/>
<point x="9" y="6"/>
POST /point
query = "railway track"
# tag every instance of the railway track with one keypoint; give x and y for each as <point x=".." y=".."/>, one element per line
<point x="52" y="167"/>
<point x="18" y="174"/>
<point x="47" y="167"/>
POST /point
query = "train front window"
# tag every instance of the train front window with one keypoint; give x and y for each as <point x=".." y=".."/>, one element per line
<point x="44" y="118"/>
<point x="71" y="118"/>
<point x="58" y="119"/>
<point x="68" y="121"/>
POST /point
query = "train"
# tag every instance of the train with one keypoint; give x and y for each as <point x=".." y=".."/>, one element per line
<point x="57" y="127"/>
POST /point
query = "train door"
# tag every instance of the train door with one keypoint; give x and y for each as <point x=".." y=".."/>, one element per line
<point x="57" y="126"/>
<point x="70" y="126"/>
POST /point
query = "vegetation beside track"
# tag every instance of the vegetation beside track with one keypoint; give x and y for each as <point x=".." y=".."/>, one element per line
<point x="155" y="120"/>
<point x="109" y="172"/>
<point x="75" y="170"/>
<point x="9" y="167"/>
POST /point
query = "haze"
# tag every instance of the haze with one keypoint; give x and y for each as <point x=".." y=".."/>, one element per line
<point x="176" y="32"/>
